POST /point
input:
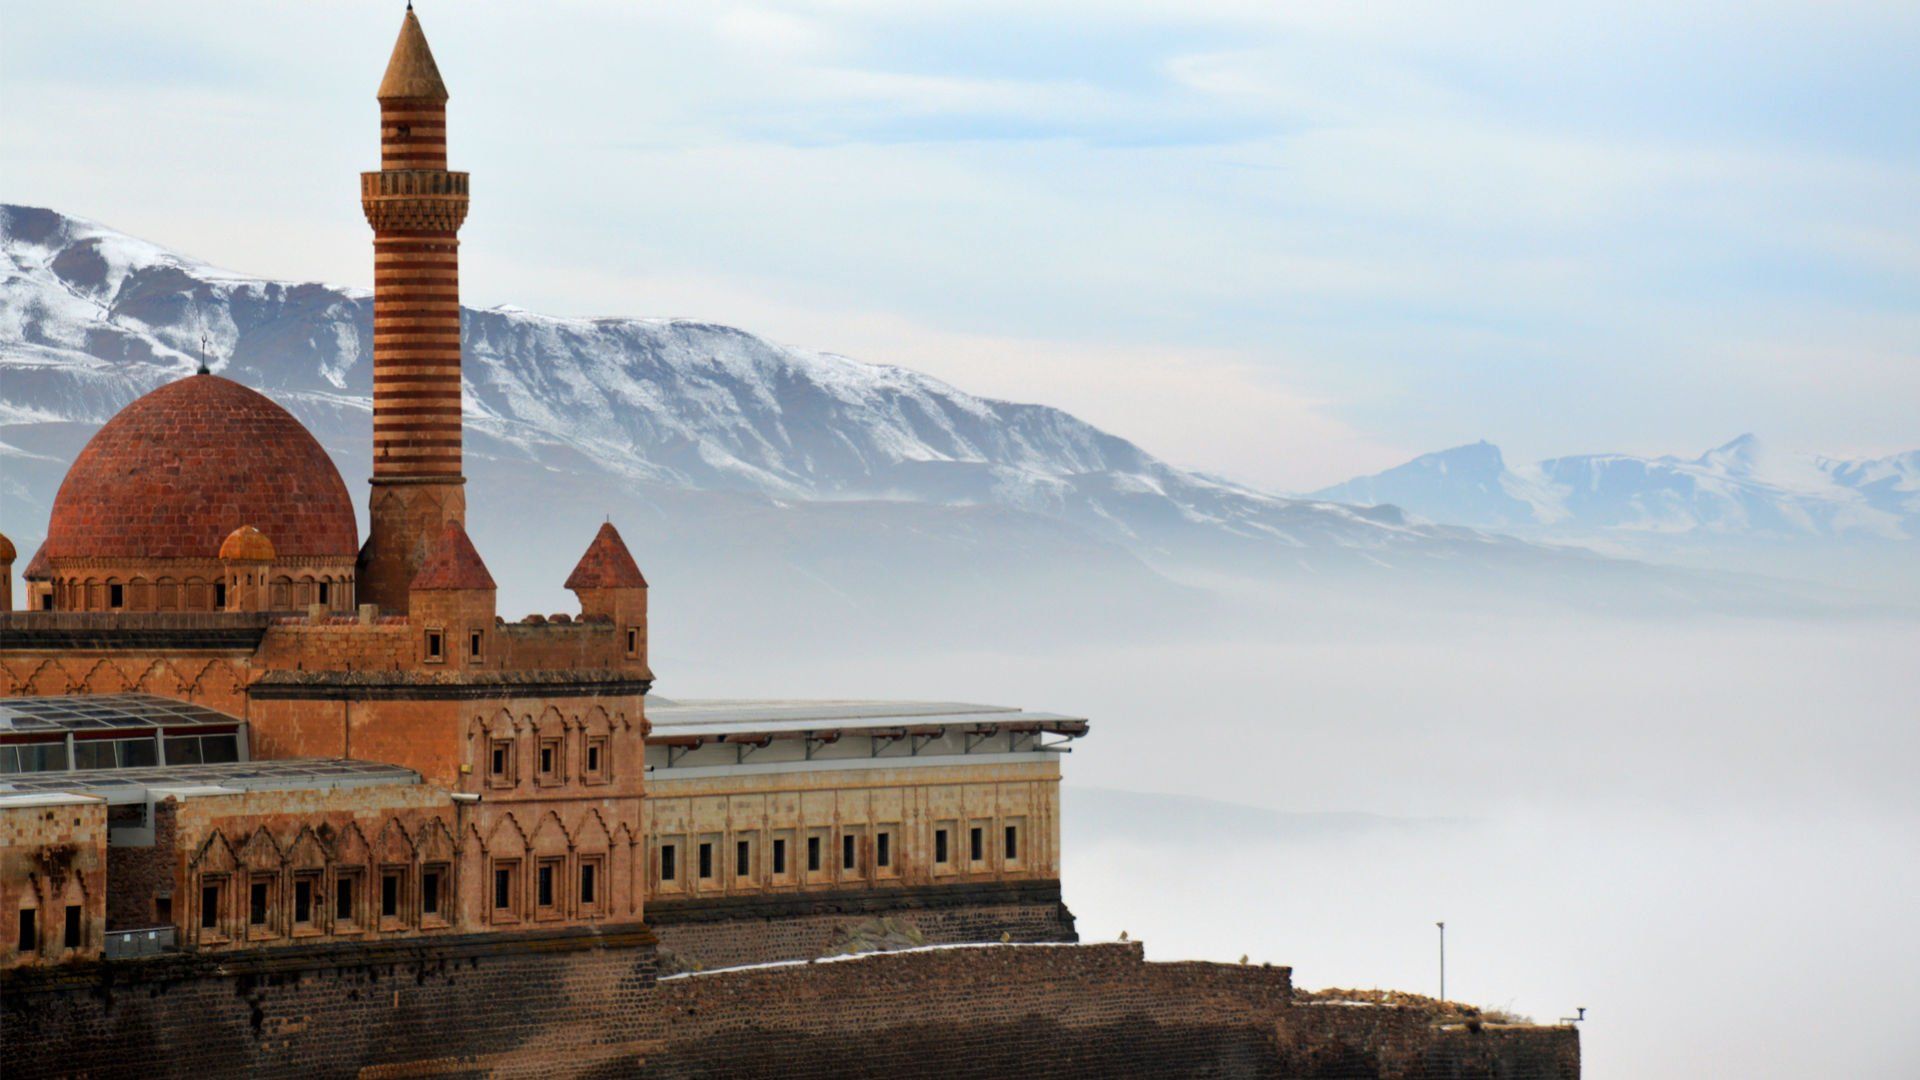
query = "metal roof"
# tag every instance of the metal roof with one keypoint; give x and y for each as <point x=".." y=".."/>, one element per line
<point x="131" y="785"/>
<point x="713" y="719"/>
<point x="102" y="712"/>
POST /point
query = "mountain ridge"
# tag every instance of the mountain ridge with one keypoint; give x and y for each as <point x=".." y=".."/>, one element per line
<point x="1741" y="489"/>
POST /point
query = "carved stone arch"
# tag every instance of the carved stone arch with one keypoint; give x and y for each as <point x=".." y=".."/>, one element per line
<point x="591" y="835"/>
<point x="551" y="721"/>
<point x="161" y="678"/>
<point x="49" y="680"/>
<point x="306" y="852"/>
<point x="262" y="851"/>
<point x="215" y="856"/>
<point x="394" y="846"/>
<point x="10" y="681"/>
<point x="219" y="681"/>
<point x="105" y="677"/>
<point x="507" y="838"/>
<point x="350" y="847"/>
<point x="596" y="721"/>
<point x="550" y="836"/>
<point x="434" y="843"/>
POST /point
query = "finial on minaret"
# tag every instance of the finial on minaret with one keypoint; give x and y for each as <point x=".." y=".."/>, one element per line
<point x="204" y="370"/>
<point x="411" y="72"/>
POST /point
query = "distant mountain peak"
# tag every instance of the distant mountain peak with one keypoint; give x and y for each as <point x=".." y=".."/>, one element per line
<point x="1741" y="488"/>
<point x="1740" y="455"/>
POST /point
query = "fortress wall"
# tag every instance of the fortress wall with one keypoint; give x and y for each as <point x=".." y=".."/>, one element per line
<point x="578" y="1003"/>
<point x="566" y="1003"/>
<point x="992" y="1011"/>
<point x="1064" y="1011"/>
<point x="1346" y="1040"/>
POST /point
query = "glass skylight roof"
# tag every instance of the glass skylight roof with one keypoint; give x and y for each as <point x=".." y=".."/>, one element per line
<point x="100" y="712"/>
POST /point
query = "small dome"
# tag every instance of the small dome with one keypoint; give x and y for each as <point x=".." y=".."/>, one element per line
<point x="171" y="475"/>
<point x="7" y="552"/>
<point x="246" y="544"/>
<point x="38" y="569"/>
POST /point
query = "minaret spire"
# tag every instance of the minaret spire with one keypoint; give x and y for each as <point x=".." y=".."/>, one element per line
<point x="416" y="207"/>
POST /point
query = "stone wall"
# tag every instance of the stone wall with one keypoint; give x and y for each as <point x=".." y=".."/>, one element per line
<point x="988" y="1011"/>
<point x="1344" y="1039"/>
<point x="1063" y="1011"/>
<point x="568" y="1003"/>
<point x="705" y="935"/>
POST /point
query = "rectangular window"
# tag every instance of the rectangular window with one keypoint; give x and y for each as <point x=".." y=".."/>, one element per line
<point x="325" y="594"/>
<point x="846" y="852"/>
<point x="303" y="901"/>
<point x="976" y="844"/>
<point x="549" y="758"/>
<point x="430" y="891"/>
<point x="940" y="846"/>
<point x="706" y="862"/>
<point x="597" y="757"/>
<point x="813" y="854"/>
<point x="1013" y="843"/>
<point x="209" y="907"/>
<point x="390" y="895"/>
<point x="473" y="646"/>
<point x="116" y="596"/>
<point x="46" y="602"/>
<point x="343" y="900"/>
<point x="633" y="641"/>
<point x="29" y="930"/>
<point x="72" y="937"/>
<point x="436" y="646"/>
<point x="779" y="855"/>
<point x="544" y="885"/>
<point x="586" y="884"/>
<point x="257" y="904"/>
<point x="667" y="867"/>
<point x="219" y="595"/>
<point x="743" y="859"/>
<point x="499" y="764"/>
<point x="503" y="888"/>
<point x="593" y="758"/>
<point x="883" y="849"/>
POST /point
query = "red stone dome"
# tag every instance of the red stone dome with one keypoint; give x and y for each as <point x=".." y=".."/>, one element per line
<point x="171" y="475"/>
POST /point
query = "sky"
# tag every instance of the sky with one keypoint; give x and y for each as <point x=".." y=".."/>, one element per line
<point x="1287" y="243"/>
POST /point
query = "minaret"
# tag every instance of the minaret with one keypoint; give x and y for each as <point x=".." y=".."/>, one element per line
<point x="415" y="207"/>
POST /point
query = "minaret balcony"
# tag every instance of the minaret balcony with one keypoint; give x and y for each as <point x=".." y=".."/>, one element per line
<point x="414" y="200"/>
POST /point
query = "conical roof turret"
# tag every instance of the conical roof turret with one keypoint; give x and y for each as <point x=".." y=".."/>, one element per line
<point x="607" y="564"/>
<point x="411" y="73"/>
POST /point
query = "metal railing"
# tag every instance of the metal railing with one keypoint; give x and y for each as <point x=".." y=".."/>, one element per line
<point x="144" y="942"/>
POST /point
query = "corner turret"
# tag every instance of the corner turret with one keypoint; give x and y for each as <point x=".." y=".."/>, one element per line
<point x="610" y="586"/>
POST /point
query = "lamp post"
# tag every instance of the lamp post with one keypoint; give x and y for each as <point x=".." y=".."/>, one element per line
<point x="1443" y="959"/>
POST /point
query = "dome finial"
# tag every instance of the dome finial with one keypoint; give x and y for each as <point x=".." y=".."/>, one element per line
<point x="203" y="354"/>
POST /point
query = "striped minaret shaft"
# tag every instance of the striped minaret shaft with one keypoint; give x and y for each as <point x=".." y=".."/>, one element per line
<point x="416" y="207"/>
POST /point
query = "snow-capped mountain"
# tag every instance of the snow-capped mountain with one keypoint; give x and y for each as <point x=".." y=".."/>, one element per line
<point x="91" y="318"/>
<point x="1742" y="490"/>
